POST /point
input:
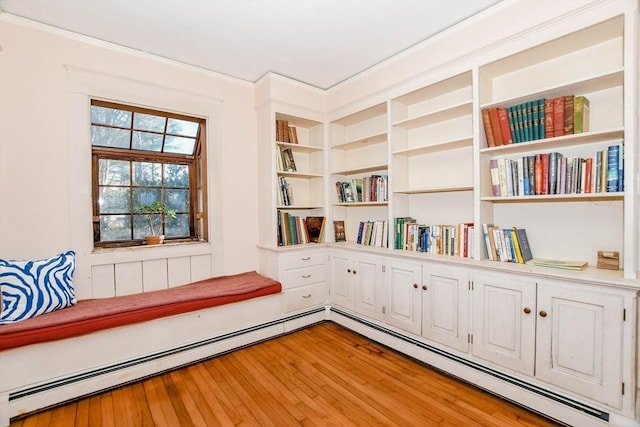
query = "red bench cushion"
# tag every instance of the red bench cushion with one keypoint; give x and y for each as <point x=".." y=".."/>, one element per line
<point x="96" y="314"/>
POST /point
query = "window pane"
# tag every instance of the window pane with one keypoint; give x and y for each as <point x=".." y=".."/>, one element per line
<point x="141" y="227"/>
<point x="146" y="141"/>
<point x="178" y="200"/>
<point x="178" y="226"/>
<point x="114" y="200"/>
<point x="178" y="144"/>
<point x="183" y="127"/>
<point x="147" y="174"/>
<point x="148" y="122"/>
<point x="176" y="176"/>
<point x="115" y="227"/>
<point x="145" y="196"/>
<point x="110" y="137"/>
<point x="110" y="116"/>
<point x="114" y="172"/>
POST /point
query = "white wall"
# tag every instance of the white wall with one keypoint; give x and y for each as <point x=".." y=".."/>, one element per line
<point x="41" y="144"/>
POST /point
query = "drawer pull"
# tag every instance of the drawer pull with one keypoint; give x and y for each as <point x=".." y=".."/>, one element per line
<point x="306" y="276"/>
<point x="306" y="258"/>
<point x="543" y="313"/>
<point x="306" y="296"/>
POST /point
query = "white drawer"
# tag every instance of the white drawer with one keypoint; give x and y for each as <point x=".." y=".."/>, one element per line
<point x="303" y="276"/>
<point x="305" y="297"/>
<point x="302" y="259"/>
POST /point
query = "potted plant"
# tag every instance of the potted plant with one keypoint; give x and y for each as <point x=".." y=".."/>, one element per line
<point x="156" y="214"/>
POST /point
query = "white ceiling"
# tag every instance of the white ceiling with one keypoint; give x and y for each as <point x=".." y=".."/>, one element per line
<point x="318" y="42"/>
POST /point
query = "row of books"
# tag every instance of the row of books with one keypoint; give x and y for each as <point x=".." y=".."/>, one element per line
<point x="286" y="133"/>
<point x="296" y="230"/>
<point x="285" y="160"/>
<point x="553" y="173"/>
<point x="372" y="188"/>
<point x="285" y="195"/>
<point x="454" y="240"/>
<point x="507" y="244"/>
<point x="538" y="119"/>
<point x="373" y="233"/>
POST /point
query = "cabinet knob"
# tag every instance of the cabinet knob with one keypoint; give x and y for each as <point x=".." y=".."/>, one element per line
<point x="354" y="272"/>
<point x="527" y="310"/>
<point x="415" y="286"/>
<point x="543" y="313"/>
<point x="348" y="270"/>
<point x="424" y="287"/>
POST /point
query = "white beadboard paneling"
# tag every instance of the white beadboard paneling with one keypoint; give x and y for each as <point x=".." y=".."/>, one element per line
<point x="128" y="278"/>
<point x="154" y="275"/>
<point x="103" y="281"/>
<point x="179" y="271"/>
<point x="200" y="267"/>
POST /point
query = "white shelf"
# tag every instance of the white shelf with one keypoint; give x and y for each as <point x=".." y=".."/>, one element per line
<point x="299" y="147"/>
<point x="436" y="147"/>
<point x="364" y="169"/>
<point x="556" y="198"/>
<point x="362" y="142"/>
<point x="441" y="115"/>
<point x="362" y="204"/>
<point x="427" y="190"/>
<point x="299" y="175"/>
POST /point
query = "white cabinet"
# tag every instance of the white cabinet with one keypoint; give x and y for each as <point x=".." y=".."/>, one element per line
<point x="302" y="272"/>
<point x="402" y="281"/>
<point x="429" y="300"/>
<point x="580" y="340"/>
<point x="504" y="322"/>
<point x="445" y="305"/>
<point x="562" y="333"/>
<point x="356" y="281"/>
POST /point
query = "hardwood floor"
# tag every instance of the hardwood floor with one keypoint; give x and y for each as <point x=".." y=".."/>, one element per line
<point x="321" y="376"/>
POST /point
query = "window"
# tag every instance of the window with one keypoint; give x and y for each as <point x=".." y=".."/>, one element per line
<point x="141" y="156"/>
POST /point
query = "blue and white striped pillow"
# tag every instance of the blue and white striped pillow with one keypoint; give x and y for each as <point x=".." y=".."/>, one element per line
<point x="31" y="288"/>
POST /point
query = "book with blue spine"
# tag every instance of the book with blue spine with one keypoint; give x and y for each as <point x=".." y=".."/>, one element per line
<point x="613" y="154"/>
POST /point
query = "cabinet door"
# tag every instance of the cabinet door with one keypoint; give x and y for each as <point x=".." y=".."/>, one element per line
<point x="445" y="306"/>
<point x="341" y="273"/>
<point x="580" y="341"/>
<point x="367" y="275"/>
<point x="504" y="321"/>
<point x="402" y="287"/>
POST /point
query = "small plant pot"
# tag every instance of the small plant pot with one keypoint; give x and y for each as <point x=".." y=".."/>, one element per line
<point x="154" y="240"/>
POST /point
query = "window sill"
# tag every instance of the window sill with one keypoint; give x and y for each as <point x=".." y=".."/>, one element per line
<point x="101" y="256"/>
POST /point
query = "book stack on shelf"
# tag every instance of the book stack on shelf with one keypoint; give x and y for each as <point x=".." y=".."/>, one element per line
<point x="453" y="240"/>
<point x="286" y="162"/>
<point x="537" y="119"/>
<point x="285" y="195"/>
<point x="296" y="230"/>
<point x="373" y="233"/>
<point x="553" y="173"/>
<point x="286" y="133"/>
<point x="507" y="244"/>
<point x="368" y="189"/>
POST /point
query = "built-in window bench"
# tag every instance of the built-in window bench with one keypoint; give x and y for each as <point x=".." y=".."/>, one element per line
<point x="102" y="343"/>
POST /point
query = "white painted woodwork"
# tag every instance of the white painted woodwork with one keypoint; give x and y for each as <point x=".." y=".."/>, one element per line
<point x="104" y="281"/>
<point x="445" y="305"/>
<point x="402" y="287"/>
<point x="179" y="271"/>
<point x="340" y="278"/>
<point x="504" y="320"/>
<point x="200" y="267"/>
<point x="154" y="275"/>
<point x="367" y="282"/>
<point x="128" y="278"/>
<point x="579" y="340"/>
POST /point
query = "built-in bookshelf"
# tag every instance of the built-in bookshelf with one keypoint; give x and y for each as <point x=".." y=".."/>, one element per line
<point x="566" y="219"/>
<point x="432" y="163"/>
<point x="359" y="168"/>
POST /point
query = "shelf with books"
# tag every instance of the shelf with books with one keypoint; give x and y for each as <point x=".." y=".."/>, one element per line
<point x="563" y="104"/>
<point x="432" y="161"/>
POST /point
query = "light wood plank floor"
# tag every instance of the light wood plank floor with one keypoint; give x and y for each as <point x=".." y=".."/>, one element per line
<point x="321" y="376"/>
